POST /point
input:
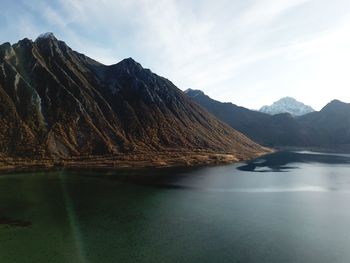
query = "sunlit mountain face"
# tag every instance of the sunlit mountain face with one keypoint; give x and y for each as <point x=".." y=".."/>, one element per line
<point x="56" y="102"/>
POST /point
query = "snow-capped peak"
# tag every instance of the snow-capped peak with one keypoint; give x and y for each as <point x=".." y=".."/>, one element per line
<point x="287" y="105"/>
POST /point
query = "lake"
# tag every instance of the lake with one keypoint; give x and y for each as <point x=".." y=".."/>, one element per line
<point x="284" y="207"/>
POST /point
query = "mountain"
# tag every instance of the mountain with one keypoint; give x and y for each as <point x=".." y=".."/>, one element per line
<point x="331" y="125"/>
<point x="268" y="130"/>
<point x="58" y="104"/>
<point x="328" y="129"/>
<point x="287" y="105"/>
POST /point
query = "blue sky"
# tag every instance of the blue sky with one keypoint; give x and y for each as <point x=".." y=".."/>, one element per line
<point x="249" y="52"/>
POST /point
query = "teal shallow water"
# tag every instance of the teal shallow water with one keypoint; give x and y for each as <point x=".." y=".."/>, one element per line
<point x="286" y="207"/>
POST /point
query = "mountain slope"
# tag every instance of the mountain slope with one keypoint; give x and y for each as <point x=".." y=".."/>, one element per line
<point x="328" y="129"/>
<point x="331" y="125"/>
<point x="287" y="105"/>
<point x="277" y="130"/>
<point x="57" y="103"/>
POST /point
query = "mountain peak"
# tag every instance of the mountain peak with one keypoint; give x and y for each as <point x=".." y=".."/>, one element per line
<point x="25" y="41"/>
<point x="130" y="60"/>
<point x="335" y="101"/>
<point x="129" y="63"/>
<point x="287" y="105"/>
<point x="194" y="92"/>
<point x="47" y="35"/>
<point x="287" y="98"/>
<point x="335" y="105"/>
<point x="5" y="46"/>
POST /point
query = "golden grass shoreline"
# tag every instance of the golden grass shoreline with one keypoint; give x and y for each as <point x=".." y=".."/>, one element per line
<point x="126" y="161"/>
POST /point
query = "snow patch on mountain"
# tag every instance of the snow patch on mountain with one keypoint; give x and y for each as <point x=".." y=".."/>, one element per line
<point x="46" y="35"/>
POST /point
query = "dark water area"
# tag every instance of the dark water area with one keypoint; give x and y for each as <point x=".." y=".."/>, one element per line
<point x="284" y="207"/>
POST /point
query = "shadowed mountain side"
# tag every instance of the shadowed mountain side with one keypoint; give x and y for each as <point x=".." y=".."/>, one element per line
<point x="277" y="130"/>
<point x="328" y="129"/>
<point x="57" y="103"/>
<point x="331" y="124"/>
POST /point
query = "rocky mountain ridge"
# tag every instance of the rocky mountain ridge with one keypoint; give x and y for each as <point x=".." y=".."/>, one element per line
<point x="56" y="103"/>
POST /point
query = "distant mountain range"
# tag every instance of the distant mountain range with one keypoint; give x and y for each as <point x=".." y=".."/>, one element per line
<point x="328" y="129"/>
<point x="287" y="105"/>
<point x="58" y="104"/>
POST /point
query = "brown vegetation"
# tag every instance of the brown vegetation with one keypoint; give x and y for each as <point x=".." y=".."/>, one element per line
<point x="59" y="107"/>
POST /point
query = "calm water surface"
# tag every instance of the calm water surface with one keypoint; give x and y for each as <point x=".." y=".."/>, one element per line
<point x="285" y="207"/>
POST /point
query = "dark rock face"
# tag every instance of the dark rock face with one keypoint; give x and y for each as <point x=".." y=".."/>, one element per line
<point x="326" y="129"/>
<point x="57" y="103"/>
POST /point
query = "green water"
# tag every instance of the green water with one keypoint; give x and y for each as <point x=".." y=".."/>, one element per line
<point x="286" y="207"/>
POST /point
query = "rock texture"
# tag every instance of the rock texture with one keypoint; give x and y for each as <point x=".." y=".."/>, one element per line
<point x="58" y="104"/>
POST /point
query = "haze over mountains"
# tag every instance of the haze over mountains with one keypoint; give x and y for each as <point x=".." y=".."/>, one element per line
<point x="287" y="105"/>
<point x="58" y="103"/>
<point x="327" y="129"/>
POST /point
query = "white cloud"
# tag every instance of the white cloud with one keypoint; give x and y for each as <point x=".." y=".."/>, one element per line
<point x="230" y="49"/>
<point x="261" y="12"/>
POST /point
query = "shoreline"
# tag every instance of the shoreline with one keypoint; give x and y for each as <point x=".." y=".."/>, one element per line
<point x="123" y="161"/>
<point x="343" y="150"/>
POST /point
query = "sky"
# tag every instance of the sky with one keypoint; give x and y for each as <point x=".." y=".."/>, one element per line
<point x="248" y="52"/>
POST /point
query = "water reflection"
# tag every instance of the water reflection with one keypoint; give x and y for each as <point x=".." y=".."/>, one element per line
<point x="195" y="215"/>
<point x="280" y="161"/>
<point x="9" y="222"/>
